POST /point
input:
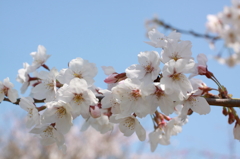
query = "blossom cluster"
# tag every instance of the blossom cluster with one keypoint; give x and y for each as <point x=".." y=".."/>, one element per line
<point x="226" y="25"/>
<point x="143" y="90"/>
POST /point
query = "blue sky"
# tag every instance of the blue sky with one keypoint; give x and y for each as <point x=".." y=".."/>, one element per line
<point x="112" y="33"/>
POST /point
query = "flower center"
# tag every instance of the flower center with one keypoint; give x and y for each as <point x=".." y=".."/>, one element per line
<point x="78" y="75"/>
<point x="175" y="56"/>
<point x="78" y="98"/>
<point x="50" y="85"/>
<point x="149" y="68"/>
<point x="48" y="131"/>
<point x="191" y="99"/>
<point x="176" y="76"/>
<point x="159" y="92"/>
<point x="61" y="111"/>
<point x="136" y="94"/>
<point x="5" y="90"/>
<point x="129" y="123"/>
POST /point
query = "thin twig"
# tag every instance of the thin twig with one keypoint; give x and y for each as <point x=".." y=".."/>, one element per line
<point x="193" y="33"/>
<point x="18" y="100"/>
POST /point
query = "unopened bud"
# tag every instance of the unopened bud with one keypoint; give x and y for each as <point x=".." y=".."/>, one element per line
<point x="224" y="111"/>
<point x="231" y="118"/>
<point x="121" y="77"/>
<point x="111" y="78"/>
<point x="95" y="111"/>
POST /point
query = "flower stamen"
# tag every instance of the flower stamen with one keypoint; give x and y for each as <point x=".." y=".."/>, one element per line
<point x="78" y="98"/>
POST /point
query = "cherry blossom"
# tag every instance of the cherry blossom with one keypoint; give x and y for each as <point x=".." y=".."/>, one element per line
<point x="236" y="131"/>
<point x="23" y="77"/>
<point x="143" y="90"/>
<point x="148" y="69"/>
<point x="58" y="112"/>
<point x="6" y="89"/>
<point x="176" y="50"/>
<point x="39" y="58"/>
<point x="100" y="124"/>
<point x="159" y="40"/>
<point x="47" y="87"/>
<point x="214" y="24"/>
<point x="49" y="135"/>
<point x="157" y="137"/>
<point x="33" y="117"/>
<point x="199" y="86"/>
<point x="231" y="61"/>
<point x="174" y="79"/>
<point x="174" y="126"/>
<point x="196" y="104"/>
<point x="78" y="96"/>
<point x="226" y="25"/>
<point x="108" y="70"/>
<point x="201" y="67"/>
<point x="79" y="68"/>
<point x="129" y="125"/>
<point x="131" y="97"/>
<point x="109" y="101"/>
<point x="158" y="97"/>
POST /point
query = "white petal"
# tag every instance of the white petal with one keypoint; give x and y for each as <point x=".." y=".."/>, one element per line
<point x="140" y="131"/>
<point x="153" y="139"/>
<point x="13" y="95"/>
<point x="127" y="126"/>
<point x="1" y="97"/>
<point x="201" y="106"/>
<point x="65" y="123"/>
<point x="108" y="70"/>
<point x="7" y="83"/>
<point x="39" y="91"/>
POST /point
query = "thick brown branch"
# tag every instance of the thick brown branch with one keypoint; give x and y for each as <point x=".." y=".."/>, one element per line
<point x="193" y="33"/>
<point x="211" y="101"/>
<point x="224" y="102"/>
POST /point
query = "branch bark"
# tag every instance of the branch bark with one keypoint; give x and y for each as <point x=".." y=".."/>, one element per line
<point x="211" y="101"/>
<point x="191" y="32"/>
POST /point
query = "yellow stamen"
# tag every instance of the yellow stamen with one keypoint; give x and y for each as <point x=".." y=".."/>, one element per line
<point x="78" y="98"/>
<point x="61" y="111"/>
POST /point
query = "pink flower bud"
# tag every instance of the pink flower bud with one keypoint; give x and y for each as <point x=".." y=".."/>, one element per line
<point x="111" y="78"/>
<point x="224" y="111"/>
<point x="95" y="111"/>
<point x="202" y="70"/>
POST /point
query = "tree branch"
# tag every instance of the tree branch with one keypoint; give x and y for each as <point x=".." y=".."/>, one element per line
<point x="223" y="102"/>
<point x="18" y="100"/>
<point x="193" y="33"/>
<point x="211" y="101"/>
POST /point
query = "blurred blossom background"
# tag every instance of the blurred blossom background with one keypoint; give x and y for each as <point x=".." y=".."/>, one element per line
<point x="108" y="33"/>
